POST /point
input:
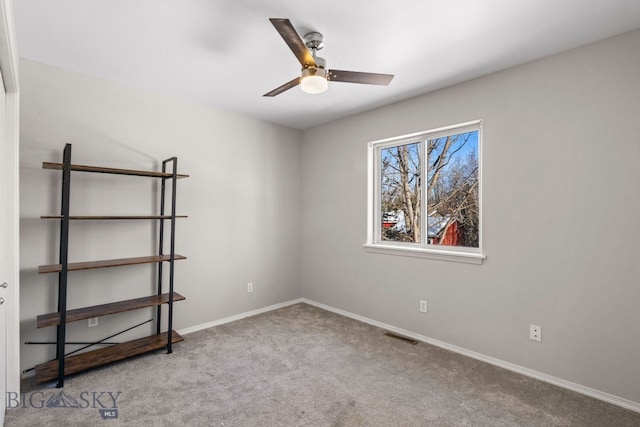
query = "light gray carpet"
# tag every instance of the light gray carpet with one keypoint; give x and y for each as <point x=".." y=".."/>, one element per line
<point x="303" y="366"/>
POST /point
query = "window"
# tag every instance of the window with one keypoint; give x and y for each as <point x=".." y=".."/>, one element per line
<point x="424" y="194"/>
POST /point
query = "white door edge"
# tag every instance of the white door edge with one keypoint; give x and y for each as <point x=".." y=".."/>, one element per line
<point x="10" y="173"/>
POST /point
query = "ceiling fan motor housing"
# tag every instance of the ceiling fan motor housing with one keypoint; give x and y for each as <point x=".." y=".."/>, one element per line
<point x="313" y="71"/>
<point x="320" y="63"/>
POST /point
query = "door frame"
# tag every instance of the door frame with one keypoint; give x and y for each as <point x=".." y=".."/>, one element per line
<point x="9" y="174"/>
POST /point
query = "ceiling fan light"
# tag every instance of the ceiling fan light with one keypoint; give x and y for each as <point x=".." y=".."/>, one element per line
<point x="314" y="80"/>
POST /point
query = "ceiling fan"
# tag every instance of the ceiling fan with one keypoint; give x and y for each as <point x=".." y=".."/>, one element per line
<point x="315" y="76"/>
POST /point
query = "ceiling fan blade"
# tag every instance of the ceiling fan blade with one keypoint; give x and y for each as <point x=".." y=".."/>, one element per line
<point x="293" y="83"/>
<point x="358" y="77"/>
<point x="293" y="40"/>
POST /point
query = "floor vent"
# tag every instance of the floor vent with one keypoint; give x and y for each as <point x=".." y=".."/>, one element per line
<point x="400" y="337"/>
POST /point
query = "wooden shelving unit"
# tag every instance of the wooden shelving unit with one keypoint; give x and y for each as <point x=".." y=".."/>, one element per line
<point x="81" y="362"/>
<point x="65" y="364"/>
<point x="57" y="268"/>
<point x="113" y="171"/>
<point x="53" y="319"/>
<point x="110" y="217"/>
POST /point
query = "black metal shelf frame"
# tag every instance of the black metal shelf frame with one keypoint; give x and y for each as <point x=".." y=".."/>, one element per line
<point x="172" y="164"/>
<point x="173" y="178"/>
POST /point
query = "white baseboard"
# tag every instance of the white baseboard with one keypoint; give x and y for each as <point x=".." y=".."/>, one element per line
<point x="615" y="400"/>
<point x="233" y="318"/>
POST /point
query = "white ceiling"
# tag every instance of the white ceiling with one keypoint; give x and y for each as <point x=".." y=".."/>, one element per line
<point x="226" y="53"/>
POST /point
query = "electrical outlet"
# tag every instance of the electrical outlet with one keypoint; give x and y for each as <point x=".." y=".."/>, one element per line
<point x="423" y="305"/>
<point x="535" y="333"/>
<point x="250" y="287"/>
<point x="93" y="321"/>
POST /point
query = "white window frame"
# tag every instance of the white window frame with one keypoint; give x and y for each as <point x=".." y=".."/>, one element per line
<point x="375" y="243"/>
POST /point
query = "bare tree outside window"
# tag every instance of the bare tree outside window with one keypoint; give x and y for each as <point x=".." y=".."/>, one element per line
<point x="451" y="193"/>
<point x="401" y="193"/>
<point x="452" y="190"/>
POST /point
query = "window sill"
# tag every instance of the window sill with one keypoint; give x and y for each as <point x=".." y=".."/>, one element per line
<point x="441" y="255"/>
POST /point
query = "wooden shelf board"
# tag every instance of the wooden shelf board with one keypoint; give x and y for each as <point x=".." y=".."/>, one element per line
<point x="99" y="217"/>
<point x="52" y="319"/>
<point x="81" y="362"/>
<point x="56" y="268"/>
<point x="116" y="171"/>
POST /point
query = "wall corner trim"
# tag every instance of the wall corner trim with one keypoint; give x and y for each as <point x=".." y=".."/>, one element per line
<point x="578" y="388"/>
<point x="235" y="317"/>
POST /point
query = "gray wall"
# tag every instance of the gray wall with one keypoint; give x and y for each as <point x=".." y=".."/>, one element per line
<point x="243" y="202"/>
<point x="561" y="209"/>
